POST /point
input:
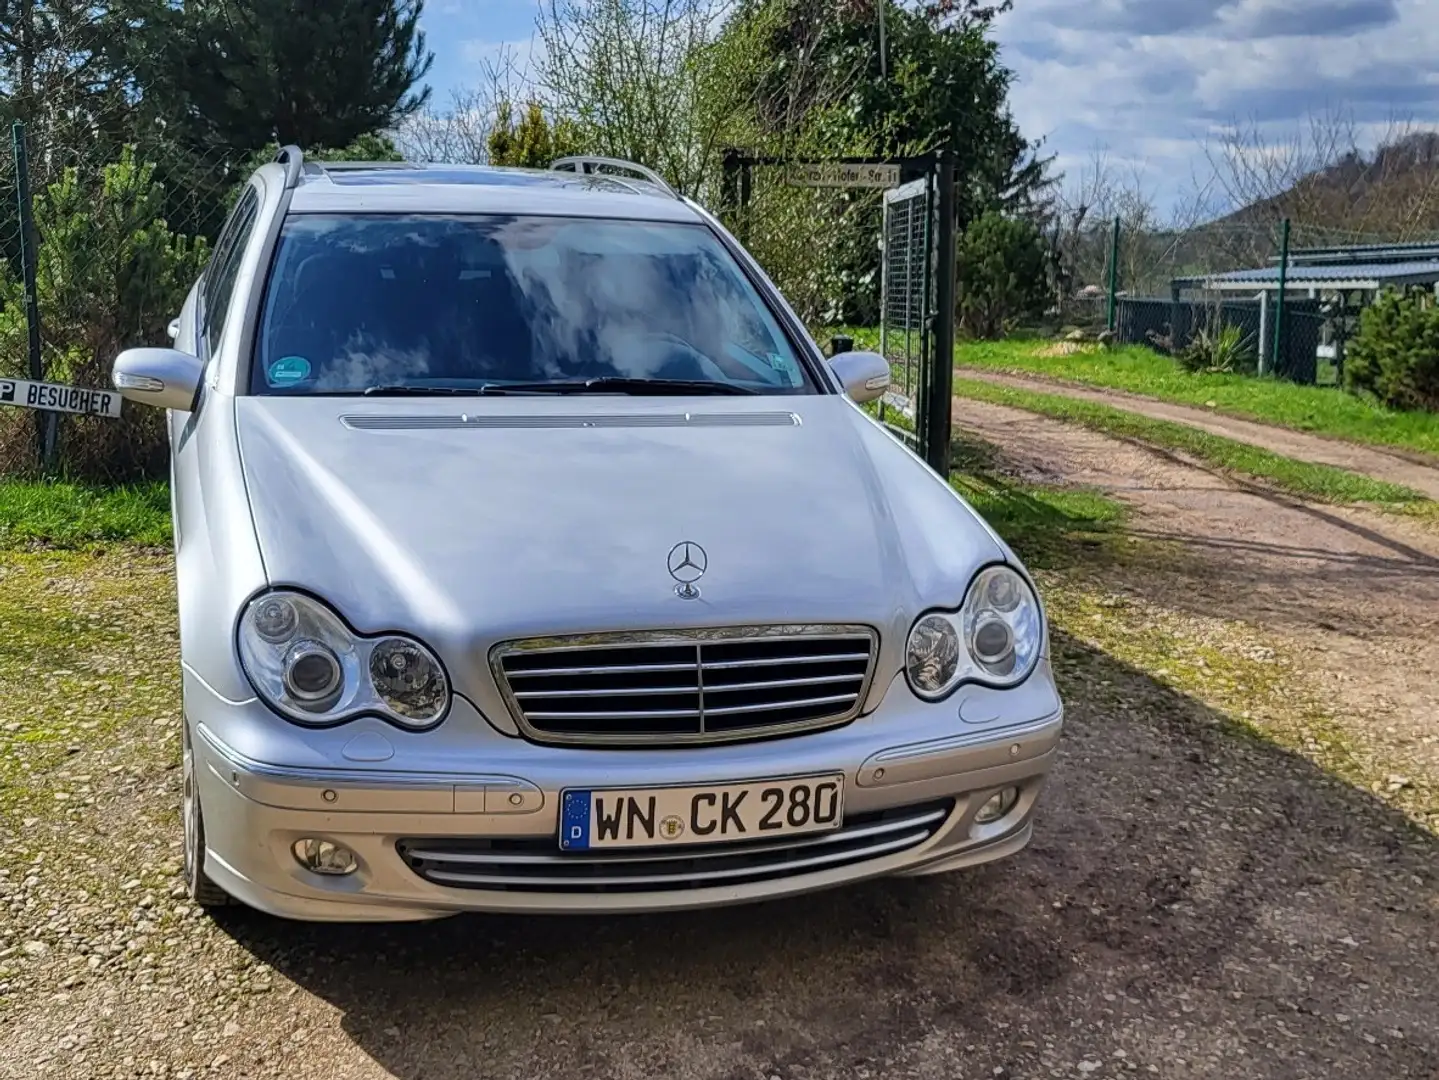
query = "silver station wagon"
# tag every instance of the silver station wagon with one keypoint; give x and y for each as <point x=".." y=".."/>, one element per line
<point x="531" y="557"/>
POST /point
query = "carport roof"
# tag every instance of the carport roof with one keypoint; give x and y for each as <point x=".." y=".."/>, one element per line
<point x="1361" y="276"/>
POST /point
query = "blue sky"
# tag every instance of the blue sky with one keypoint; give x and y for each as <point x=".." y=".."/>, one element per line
<point x="1149" y="80"/>
<point x="462" y="33"/>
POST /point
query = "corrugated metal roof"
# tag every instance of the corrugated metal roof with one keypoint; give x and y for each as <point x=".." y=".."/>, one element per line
<point x="1353" y="274"/>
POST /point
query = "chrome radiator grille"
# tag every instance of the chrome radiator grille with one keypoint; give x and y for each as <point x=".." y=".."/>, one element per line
<point x="685" y="686"/>
<point x="538" y="865"/>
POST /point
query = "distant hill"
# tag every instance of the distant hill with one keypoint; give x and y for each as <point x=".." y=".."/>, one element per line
<point x="1391" y="195"/>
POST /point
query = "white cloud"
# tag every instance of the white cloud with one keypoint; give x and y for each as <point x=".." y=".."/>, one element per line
<point x="1152" y="79"/>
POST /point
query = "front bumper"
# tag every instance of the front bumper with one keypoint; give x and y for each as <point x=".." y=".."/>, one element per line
<point x="915" y="764"/>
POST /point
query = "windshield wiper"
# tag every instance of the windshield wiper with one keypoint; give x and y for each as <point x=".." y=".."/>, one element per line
<point x="399" y="389"/>
<point x="618" y="385"/>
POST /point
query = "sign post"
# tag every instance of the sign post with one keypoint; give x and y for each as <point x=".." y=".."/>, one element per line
<point x="46" y="427"/>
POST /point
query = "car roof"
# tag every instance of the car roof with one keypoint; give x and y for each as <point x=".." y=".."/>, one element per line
<point x="402" y="187"/>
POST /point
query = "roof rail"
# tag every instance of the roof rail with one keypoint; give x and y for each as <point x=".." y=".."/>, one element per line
<point x="587" y="164"/>
<point x="293" y="159"/>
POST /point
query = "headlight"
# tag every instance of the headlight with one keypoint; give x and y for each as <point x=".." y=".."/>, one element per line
<point x="308" y="665"/>
<point x="995" y="638"/>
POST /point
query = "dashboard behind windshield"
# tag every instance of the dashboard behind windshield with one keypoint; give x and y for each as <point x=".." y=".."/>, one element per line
<point x="355" y="302"/>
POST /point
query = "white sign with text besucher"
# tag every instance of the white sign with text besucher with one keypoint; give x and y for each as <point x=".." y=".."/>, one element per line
<point x="57" y="397"/>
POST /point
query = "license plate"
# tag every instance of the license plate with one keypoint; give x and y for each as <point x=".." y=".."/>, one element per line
<point x="656" y="817"/>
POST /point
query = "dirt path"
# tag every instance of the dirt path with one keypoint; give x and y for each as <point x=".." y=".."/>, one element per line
<point x="1353" y="594"/>
<point x="1395" y="467"/>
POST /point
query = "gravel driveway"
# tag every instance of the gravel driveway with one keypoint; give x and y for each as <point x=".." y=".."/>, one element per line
<point x="1197" y="903"/>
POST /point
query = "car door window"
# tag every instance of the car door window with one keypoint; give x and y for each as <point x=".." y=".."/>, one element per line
<point x="219" y="285"/>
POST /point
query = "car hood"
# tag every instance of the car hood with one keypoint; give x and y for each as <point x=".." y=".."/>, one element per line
<point x="470" y="522"/>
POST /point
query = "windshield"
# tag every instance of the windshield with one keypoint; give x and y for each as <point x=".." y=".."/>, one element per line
<point x="409" y="303"/>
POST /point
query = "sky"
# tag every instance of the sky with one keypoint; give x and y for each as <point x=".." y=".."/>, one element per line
<point x="1146" y="81"/>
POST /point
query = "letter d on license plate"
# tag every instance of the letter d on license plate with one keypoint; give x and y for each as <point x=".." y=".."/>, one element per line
<point x="718" y="813"/>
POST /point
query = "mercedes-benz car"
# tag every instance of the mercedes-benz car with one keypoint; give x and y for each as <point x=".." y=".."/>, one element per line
<point x="532" y="557"/>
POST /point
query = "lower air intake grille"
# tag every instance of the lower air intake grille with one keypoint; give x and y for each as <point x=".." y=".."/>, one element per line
<point x="539" y="865"/>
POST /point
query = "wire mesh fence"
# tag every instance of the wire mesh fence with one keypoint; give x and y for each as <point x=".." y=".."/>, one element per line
<point x="1258" y="277"/>
<point x="114" y="231"/>
<point x="905" y="287"/>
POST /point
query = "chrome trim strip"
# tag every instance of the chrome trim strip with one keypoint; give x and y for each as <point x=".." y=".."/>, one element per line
<point x="618" y="669"/>
<point x="634" y="691"/>
<point x="780" y="869"/>
<point x="716" y="665"/>
<point x="713" y="851"/>
<point x="297" y="774"/>
<point x="913" y="751"/>
<point x="727" y="710"/>
<point x="777" y="684"/>
<point x="647" y="714"/>
<point x="801" y="703"/>
<point x="832" y="658"/>
<point x="729" y="635"/>
<point x="696" y="637"/>
<point x="539" y="421"/>
<point x="650" y="691"/>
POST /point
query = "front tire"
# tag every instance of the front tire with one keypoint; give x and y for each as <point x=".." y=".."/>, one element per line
<point x="198" y="885"/>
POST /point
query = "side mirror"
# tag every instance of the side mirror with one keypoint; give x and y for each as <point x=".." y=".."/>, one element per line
<point x="864" y="375"/>
<point x="173" y="330"/>
<point x="166" y="378"/>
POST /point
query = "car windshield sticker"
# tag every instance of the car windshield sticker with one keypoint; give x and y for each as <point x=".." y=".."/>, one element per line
<point x="289" y="370"/>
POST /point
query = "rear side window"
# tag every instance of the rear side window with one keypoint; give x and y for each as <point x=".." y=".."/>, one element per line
<point x="359" y="301"/>
<point x="225" y="265"/>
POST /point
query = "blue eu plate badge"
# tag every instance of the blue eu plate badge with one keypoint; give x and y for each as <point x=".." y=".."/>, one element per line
<point x="575" y="821"/>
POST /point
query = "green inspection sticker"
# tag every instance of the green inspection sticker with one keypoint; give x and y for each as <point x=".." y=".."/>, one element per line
<point x="289" y="370"/>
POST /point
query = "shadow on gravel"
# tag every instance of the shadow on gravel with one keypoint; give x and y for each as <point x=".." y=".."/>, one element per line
<point x="1194" y="900"/>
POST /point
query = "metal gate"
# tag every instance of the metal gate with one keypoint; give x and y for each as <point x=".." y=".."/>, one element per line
<point x="918" y="239"/>
<point x="904" y="338"/>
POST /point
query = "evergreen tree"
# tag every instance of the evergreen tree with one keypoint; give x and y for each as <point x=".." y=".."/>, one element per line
<point x="532" y="142"/>
<point x="244" y="73"/>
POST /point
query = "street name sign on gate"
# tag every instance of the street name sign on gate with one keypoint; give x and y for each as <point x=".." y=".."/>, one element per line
<point x="844" y="175"/>
<point x="57" y="397"/>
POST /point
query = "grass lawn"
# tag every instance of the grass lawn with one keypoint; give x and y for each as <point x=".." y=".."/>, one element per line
<point x="1322" y="482"/>
<point x="1323" y="410"/>
<point x="72" y="515"/>
<point x="88" y="661"/>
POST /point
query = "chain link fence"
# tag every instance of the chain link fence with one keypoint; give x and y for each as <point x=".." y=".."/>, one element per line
<point x="1168" y="288"/>
<point x="101" y="238"/>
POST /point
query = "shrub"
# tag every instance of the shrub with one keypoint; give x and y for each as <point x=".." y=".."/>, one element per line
<point x="1002" y="275"/>
<point x="1395" y="355"/>
<point x="1218" y="348"/>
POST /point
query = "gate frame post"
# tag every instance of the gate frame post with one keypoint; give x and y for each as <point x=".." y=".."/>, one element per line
<point x="46" y="422"/>
<point x="940" y="420"/>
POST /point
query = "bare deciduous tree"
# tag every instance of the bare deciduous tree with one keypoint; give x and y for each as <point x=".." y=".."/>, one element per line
<point x="1334" y="177"/>
<point x="652" y="81"/>
<point x="459" y="133"/>
<point x="1150" y="238"/>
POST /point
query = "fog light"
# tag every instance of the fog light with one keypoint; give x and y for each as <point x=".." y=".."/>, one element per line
<point x="325" y="857"/>
<point x="997" y="805"/>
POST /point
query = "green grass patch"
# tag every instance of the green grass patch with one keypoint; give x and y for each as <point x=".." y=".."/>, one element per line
<point x="1047" y="527"/>
<point x="68" y="515"/>
<point x="1236" y="670"/>
<point x="1321" y="482"/>
<point x="1137" y="370"/>
<point x="88" y="671"/>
